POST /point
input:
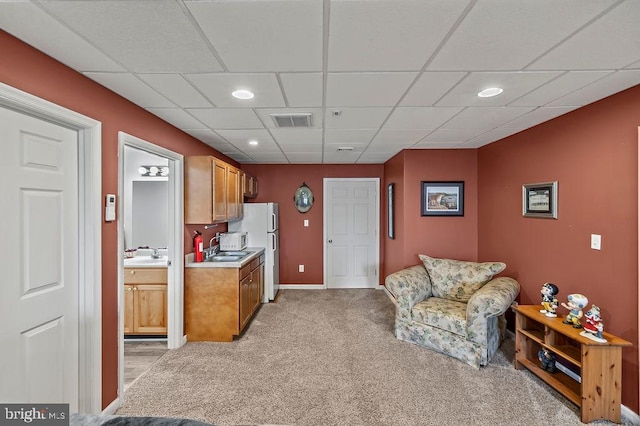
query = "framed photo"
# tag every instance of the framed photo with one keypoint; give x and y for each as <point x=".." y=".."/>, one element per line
<point x="390" y="208"/>
<point x="442" y="199"/>
<point x="540" y="200"/>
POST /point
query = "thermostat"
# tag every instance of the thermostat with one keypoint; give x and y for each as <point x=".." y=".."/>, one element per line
<point x="110" y="208"/>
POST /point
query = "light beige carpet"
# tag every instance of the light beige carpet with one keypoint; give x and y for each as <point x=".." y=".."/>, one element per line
<point x="330" y="358"/>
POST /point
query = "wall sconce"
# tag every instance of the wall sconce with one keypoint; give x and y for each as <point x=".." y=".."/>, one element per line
<point x="152" y="171"/>
<point x="303" y="198"/>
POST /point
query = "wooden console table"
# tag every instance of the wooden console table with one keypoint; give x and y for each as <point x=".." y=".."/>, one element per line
<point x="598" y="364"/>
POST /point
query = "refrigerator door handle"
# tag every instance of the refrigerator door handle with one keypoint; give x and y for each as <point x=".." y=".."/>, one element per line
<point x="273" y="222"/>
<point x="273" y="245"/>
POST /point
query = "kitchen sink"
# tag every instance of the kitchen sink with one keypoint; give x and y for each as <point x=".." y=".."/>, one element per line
<point x="233" y="253"/>
<point x="224" y="258"/>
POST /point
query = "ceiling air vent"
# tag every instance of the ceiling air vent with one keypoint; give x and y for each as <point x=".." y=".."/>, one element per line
<point x="302" y="119"/>
<point x="345" y="148"/>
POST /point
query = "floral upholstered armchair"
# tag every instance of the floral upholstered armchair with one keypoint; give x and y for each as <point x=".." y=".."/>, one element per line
<point x="454" y="307"/>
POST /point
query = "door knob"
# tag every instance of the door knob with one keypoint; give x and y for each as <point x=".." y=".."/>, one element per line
<point x="330" y="241"/>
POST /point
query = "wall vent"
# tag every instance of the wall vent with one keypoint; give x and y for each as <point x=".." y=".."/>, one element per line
<point x="302" y="119"/>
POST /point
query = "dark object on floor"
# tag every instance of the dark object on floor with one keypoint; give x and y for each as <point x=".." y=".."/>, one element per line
<point x="97" y="420"/>
<point x="548" y="360"/>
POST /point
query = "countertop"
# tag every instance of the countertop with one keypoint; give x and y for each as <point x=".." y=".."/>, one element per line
<point x="255" y="252"/>
<point x="143" y="259"/>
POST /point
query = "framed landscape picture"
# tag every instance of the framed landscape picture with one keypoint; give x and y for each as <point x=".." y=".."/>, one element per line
<point x="442" y="199"/>
<point x="540" y="200"/>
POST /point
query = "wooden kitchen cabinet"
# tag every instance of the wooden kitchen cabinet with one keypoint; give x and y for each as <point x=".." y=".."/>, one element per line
<point x="249" y="186"/>
<point x="220" y="302"/>
<point x="212" y="191"/>
<point x="145" y="301"/>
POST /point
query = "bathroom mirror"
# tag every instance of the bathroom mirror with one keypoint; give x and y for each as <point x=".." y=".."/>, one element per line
<point x="303" y="198"/>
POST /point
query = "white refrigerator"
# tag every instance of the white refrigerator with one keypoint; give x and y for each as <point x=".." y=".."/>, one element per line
<point x="260" y="222"/>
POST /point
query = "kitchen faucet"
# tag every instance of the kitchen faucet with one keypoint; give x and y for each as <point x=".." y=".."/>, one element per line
<point x="212" y="249"/>
<point x="155" y="254"/>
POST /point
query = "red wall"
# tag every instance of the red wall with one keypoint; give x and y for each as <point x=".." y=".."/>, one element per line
<point x="29" y="70"/>
<point x="301" y="245"/>
<point x="593" y="154"/>
<point x="451" y="236"/>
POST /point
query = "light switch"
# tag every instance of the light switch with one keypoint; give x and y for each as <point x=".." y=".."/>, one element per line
<point x="300" y="268"/>
<point x="306" y="222"/>
<point x="596" y="241"/>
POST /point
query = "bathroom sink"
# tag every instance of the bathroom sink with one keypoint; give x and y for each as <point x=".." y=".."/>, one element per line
<point x="146" y="261"/>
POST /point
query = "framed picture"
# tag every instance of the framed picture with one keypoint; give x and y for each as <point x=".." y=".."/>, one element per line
<point x="390" y="207"/>
<point x="442" y="199"/>
<point x="540" y="200"/>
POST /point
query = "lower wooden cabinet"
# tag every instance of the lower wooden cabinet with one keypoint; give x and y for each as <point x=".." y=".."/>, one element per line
<point x="145" y="301"/>
<point x="220" y="302"/>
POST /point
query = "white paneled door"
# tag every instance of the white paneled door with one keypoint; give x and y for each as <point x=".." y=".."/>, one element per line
<point x="351" y="219"/>
<point x="39" y="261"/>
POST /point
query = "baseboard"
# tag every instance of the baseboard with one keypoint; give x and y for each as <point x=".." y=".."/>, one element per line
<point x="630" y="415"/>
<point x="112" y="408"/>
<point x="302" y="287"/>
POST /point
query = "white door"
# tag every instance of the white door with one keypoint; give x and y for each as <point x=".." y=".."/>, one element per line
<point x="351" y="245"/>
<point x="38" y="260"/>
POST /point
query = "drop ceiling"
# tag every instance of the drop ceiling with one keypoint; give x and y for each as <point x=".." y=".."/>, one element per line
<point x="378" y="76"/>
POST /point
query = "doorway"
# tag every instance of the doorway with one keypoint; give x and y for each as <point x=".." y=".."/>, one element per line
<point x="352" y="232"/>
<point x="158" y="201"/>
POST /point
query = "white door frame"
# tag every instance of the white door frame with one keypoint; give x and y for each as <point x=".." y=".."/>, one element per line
<point x="175" y="278"/>
<point x="90" y="235"/>
<point x="325" y="213"/>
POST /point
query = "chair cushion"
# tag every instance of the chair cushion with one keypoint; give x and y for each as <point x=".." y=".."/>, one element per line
<point x="456" y="279"/>
<point x="442" y="313"/>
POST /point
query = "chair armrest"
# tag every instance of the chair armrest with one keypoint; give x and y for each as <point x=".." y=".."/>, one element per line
<point x="408" y="287"/>
<point x="493" y="299"/>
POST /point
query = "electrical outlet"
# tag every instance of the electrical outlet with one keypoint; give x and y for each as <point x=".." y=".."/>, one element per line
<point x="596" y="241"/>
<point x="300" y="268"/>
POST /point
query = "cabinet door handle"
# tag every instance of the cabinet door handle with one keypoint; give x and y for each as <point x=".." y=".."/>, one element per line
<point x="128" y="288"/>
<point x="135" y="288"/>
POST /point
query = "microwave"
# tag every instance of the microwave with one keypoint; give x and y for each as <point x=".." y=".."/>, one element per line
<point x="230" y="241"/>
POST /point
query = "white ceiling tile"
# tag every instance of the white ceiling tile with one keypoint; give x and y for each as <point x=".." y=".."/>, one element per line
<point x="356" y="118"/>
<point x="559" y="87"/>
<point x="430" y="87"/>
<point x="35" y="27"/>
<point x="240" y="157"/>
<point x="268" y="157"/>
<point x="354" y="89"/>
<point x="602" y="88"/>
<point x="130" y="87"/>
<point x="144" y="36"/>
<point x="297" y="136"/>
<point x="175" y="88"/>
<point x="447" y="136"/>
<point x="218" y="88"/>
<point x="487" y="138"/>
<point x="263" y="35"/>
<point x="301" y="148"/>
<point x="333" y="147"/>
<point x="227" y="118"/>
<point x="376" y="35"/>
<point x="386" y="148"/>
<point x="209" y="137"/>
<point x="265" y="116"/>
<point x="485" y="118"/>
<point x="350" y="136"/>
<point x="536" y="116"/>
<point x="435" y="145"/>
<point x="612" y="41"/>
<point x="514" y="84"/>
<point x="635" y="65"/>
<point x="420" y="117"/>
<point x="177" y="117"/>
<point x="340" y="157"/>
<point x="302" y="89"/>
<point x="305" y="158"/>
<point x="241" y="138"/>
<point x="399" y="136"/>
<point x="376" y="157"/>
<point x="508" y="35"/>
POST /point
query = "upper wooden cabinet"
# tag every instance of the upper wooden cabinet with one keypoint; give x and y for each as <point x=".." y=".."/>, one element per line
<point x="250" y="186"/>
<point x="212" y="191"/>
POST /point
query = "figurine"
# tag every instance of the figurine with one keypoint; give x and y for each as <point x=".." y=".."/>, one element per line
<point x="549" y="292"/>
<point x="593" y="328"/>
<point x="548" y="360"/>
<point x="575" y="305"/>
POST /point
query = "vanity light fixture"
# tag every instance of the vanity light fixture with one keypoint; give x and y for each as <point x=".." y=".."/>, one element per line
<point x="242" y="94"/>
<point x="490" y="92"/>
<point x="151" y="171"/>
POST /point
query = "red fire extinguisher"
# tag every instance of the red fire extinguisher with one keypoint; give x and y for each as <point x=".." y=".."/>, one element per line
<point x="198" y="246"/>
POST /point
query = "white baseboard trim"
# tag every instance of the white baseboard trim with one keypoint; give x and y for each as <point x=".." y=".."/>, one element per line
<point x="302" y="287"/>
<point x="630" y="415"/>
<point x="112" y="408"/>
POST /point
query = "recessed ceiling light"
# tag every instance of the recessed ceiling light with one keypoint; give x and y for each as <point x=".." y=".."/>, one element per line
<point x="242" y="94"/>
<point x="253" y="142"/>
<point x="489" y="92"/>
